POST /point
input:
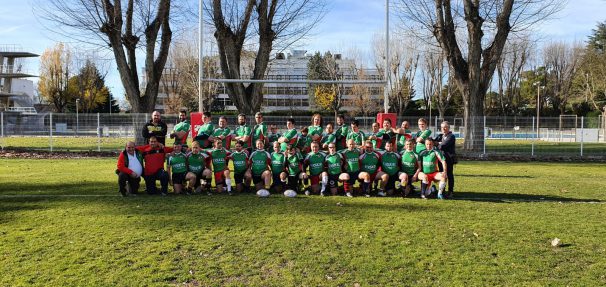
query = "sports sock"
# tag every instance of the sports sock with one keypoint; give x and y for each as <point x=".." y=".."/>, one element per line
<point x="346" y="186"/>
<point x="228" y="183"/>
<point x="365" y="186"/>
<point x="442" y="186"/>
<point x="324" y="182"/>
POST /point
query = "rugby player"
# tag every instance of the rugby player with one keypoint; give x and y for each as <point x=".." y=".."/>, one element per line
<point x="242" y="176"/>
<point x="177" y="163"/>
<point x="351" y="156"/>
<point x="410" y="167"/>
<point x="315" y="161"/>
<point x="370" y="161"/>
<point x="219" y="157"/>
<point x="197" y="162"/>
<point x="355" y="133"/>
<point x="260" y="162"/>
<point x="390" y="165"/>
<point x="334" y="164"/>
<point x="243" y="133"/>
<point x="278" y="167"/>
<point x="430" y="159"/>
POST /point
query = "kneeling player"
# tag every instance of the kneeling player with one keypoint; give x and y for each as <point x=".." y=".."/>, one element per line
<point x="352" y="160"/>
<point x="197" y="170"/>
<point x="242" y="176"/>
<point x="315" y="161"/>
<point x="278" y="167"/>
<point x="410" y="167"/>
<point x="431" y="158"/>
<point x="370" y="161"/>
<point x="294" y="166"/>
<point x="334" y="164"/>
<point x="260" y="162"/>
<point x="177" y="163"/>
<point x="219" y="157"/>
<point x="390" y="165"/>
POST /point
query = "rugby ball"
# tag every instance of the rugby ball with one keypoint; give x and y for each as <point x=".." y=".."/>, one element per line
<point x="263" y="193"/>
<point x="290" y="193"/>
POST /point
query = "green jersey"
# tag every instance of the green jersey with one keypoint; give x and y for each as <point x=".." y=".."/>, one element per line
<point x="259" y="132"/>
<point x="401" y="139"/>
<point x="273" y="137"/>
<point x="315" y="161"/>
<point x="240" y="161"/>
<point x="244" y="130"/>
<point x="207" y="129"/>
<point x="291" y="138"/>
<point x="431" y="160"/>
<point x="341" y="133"/>
<point x="183" y="126"/>
<point x="375" y="142"/>
<point x="334" y="163"/>
<point x="219" y="158"/>
<point x="303" y="142"/>
<point x="278" y="162"/>
<point x="385" y="136"/>
<point x="410" y="162"/>
<point x="328" y="139"/>
<point x="225" y="132"/>
<point x="421" y="145"/>
<point x="294" y="164"/>
<point x="197" y="162"/>
<point x="357" y="137"/>
<point x="178" y="163"/>
<point x="259" y="159"/>
<point x="314" y="131"/>
<point x="370" y="162"/>
<point x="352" y="158"/>
<point x="390" y="162"/>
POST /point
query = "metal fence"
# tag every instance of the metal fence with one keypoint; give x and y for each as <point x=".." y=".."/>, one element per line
<point x="520" y="136"/>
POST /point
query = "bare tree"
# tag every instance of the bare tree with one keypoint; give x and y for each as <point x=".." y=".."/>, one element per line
<point x="561" y="62"/>
<point x="279" y="23"/>
<point x="433" y="73"/>
<point x="125" y="27"/>
<point x="361" y="98"/>
<point x="445" y="20"/>
<point x="516" y="54"/>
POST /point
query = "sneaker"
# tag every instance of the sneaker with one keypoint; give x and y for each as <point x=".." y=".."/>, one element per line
<point x="230" y="193"/>
<point x="123" y="192"/>
<point x="307" y="192"/>
<point x="198" y="190"/>
<point x="349" y="194"/>
<point x="367" y="194"/>
<point x="440" y="196"/>
<point x="423" y="196"/>
<point x="407" y="190"/>
<point x="163" y="193"/>
<point x="322" y="193"/>
<point x="381" y="193"/>
<point x="209" y="193"/>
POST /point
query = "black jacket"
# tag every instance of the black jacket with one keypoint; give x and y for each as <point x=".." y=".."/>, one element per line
<point x="159" y="131"/>
<point x="446" y="143"/>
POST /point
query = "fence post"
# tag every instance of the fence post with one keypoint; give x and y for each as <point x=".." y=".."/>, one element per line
<point x="2" y="129"/>
<point x="532" y="147"/>
<point x="484" y="128"/>
<point x="582" y="139"/>
<point x="50" y="139"/>
<point x="99" y="132"/>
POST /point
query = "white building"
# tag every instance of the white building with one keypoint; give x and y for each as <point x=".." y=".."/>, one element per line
<point x="16" y="93"/>
<point x="293" y="66"/>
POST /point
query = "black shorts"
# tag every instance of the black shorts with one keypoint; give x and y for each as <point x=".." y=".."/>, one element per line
<point x="238" y="178"/>
<point x="391" y="182"/>
<point x="293" y="181"/>
<point x="178" y="178"/>
<point x="257" y="179"/>
<point x="333" y="180"/>
<point x="275" y="179"/>
<point x="353" y="176"/>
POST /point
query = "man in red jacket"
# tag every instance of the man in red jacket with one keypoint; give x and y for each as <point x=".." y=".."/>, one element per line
<point x="154" y="157"/>
<point x="130" y="169"/>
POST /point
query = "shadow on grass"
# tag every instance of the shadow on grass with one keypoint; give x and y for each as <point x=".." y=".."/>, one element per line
<point x="511" y="197"/>
<point x="60" y="188"/>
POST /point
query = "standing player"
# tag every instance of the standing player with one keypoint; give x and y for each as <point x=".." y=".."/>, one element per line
<point x="315" y="130"/>
<point x="410" y="167"/>
<point x="273" y="136"/>
<point x="355" y="133"/>
<point x="422" y="135"/>
<point x="181" y="131"/>
<point x="243" y="133"/>
<point x="334" y="163"/>
<point x="205" y="131"/>
<point x="260" y="162"/>
<point x="197" y="162"/>
<point x="431" y="158"/>
<point x="242" y="176"/>
<point x="390" y="165"/>
<point x="278" y="168"/>
<point x="328" y="136"/>
<point x="370" y="161"/>
<point x="315" y="161"/>
<point x="259" y="131"/>
<point x="219" y="157"/>
<point x="177" y="163"/>
<point x="351" y="156"/>
<point x="374" y="136"/>
<point x="387" y="134"/>
<point x="223" y="133"/>
<point x="294" y="166"/>
<point x="290" y="136"/>
<point x="341" y="132"/>
<point x="404" y="134"/>
<point x="304" y="142"/>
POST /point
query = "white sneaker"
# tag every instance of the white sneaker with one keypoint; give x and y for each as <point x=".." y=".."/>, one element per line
<point x="307" y="192"/>
<point x="349" y="194"/>
<point x="381" y="193"/>
<point x="322" y="193"/>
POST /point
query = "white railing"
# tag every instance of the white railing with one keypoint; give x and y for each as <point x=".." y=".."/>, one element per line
<point x="11" y="48"/>
<point x="23" y="110"/>
<point x="15" y="69"/>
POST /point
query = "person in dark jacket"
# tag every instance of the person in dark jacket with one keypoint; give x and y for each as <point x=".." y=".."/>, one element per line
<point x="446" y="143"/>
<point x="130" y="169"/>
<point x="155" y="127"/>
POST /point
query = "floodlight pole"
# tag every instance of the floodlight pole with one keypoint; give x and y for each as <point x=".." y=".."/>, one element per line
<point x="200" y="61"/>
<point x="386" y="89"/>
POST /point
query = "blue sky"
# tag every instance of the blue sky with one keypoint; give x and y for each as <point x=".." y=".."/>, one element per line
<point x="349" y="23"/>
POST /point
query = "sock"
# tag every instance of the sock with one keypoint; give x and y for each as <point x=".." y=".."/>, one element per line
<point x="423" y="187"/>
<point x="324" y="182"/>
<point x="403" y="184"/>
<point x="346" y="186"/>
<point x="305" y="182"/>
<point x="442" y="186"/>
<point x="365" y="186"/>
<point x="207" y="184"/>
<point x="228" y="183"/>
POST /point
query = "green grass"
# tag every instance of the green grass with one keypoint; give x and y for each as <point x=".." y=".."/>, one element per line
<point x="497" y="233"/>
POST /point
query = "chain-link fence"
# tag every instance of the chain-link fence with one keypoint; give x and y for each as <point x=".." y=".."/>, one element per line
<point x="521" y="136"/>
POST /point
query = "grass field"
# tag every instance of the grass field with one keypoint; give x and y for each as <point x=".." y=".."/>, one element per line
<point x="496" y="232"/>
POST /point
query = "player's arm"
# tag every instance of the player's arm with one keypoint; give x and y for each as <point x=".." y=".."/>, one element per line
<point x="442" y="161"/>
